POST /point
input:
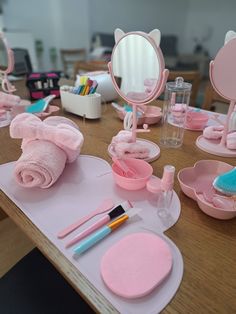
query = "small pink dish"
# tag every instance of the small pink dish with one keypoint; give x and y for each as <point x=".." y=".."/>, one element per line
<point x="51" y="109"/>
<point x="142" y="169"/>
<point x="152" y="115"/>
<point x="196" y="183"/>
<point x="196" y="120"/>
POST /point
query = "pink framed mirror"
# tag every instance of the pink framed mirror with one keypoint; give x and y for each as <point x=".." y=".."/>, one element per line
<point x="222" y="75"/>
<point x="139" y="76"/>
<point x="6" y="65"/>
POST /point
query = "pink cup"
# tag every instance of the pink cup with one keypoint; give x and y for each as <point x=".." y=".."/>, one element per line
<point x="142" y="169"/>
<point x="196" y="120"/>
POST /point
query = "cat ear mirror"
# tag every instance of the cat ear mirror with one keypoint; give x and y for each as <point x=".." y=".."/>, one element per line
<point x="6" y="64"/>
<point x="222" y="75"/>
<point x="138" y="73"/>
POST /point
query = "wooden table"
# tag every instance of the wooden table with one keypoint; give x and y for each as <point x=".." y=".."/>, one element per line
<point x="207" y="244"/>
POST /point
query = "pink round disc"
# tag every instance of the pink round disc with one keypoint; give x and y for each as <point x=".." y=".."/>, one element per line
<point x="136" y="264"/>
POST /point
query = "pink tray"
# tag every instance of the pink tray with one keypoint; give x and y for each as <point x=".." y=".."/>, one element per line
<point x="69" y="198"/>
<point x="198" y="179"/>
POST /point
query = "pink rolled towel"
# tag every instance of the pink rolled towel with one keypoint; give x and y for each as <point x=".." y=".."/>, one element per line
<point x="46" y="148"/>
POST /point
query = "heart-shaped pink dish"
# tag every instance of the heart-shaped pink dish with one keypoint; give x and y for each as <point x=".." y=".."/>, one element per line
<point x="196" y="183"/>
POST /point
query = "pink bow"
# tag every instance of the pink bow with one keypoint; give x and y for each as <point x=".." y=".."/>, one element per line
<point x="30" y="127"/>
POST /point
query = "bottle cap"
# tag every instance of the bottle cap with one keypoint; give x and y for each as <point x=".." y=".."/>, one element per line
<point x="167" y="180"/>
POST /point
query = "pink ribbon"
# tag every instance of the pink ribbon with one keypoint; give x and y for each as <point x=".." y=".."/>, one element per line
<point x="29" y="127"/>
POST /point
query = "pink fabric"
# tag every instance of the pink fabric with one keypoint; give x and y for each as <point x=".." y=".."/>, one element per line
<point x="132" y="150"/>
<point x="122" y="136"/>
<point x="7" y="101"/>
<point x="231" y="140"/>
<point x="46" y="147"/>
<point x="213" y="132"/>
<point x="29" y="128"/>
<point x="123" y="147"/>
<point x="40" y="164"/>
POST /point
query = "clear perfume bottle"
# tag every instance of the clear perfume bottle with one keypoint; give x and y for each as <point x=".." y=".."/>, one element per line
<point x="166" y="191"/>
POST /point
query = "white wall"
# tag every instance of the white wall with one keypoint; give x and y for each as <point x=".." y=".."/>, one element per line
<point x="138" y="15"/>
<point x="218" y="15"/>
<point x="71" y="23"/>
<point x="58" y="23"/>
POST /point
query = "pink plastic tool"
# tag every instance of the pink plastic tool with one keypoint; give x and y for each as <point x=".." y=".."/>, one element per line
<point x="196" y="120"/>
<point x="196" y="183"/>
<point x="143" y="172"/>
<point x="136" y="265"/>
<point x="127" y="170"/>
<point x="116" y="212"/>
<point x="222" y="75"/>
<point x="104" y="207"/>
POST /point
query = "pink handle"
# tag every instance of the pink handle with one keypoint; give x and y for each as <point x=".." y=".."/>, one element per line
<point x="74" y="226"/>
<point x="101" y="222"/>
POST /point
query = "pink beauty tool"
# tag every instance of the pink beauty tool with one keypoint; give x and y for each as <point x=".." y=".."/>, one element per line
<point x="196" y="182"/>
<point x="127" y="171"/>
<point x="222" y="75"/>
<point x="102" y="208"/>
<point x="136" y="265"/>
<point x="142" y="169"/>
<point x="114" y="213"/>
<point x="196" y="120"/>
<point x="163" y="188"/>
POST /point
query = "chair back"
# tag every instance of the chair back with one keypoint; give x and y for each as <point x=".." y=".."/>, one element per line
<point x="211" y="96"/>
<point x="192" y="77"/>
<point x="69" y="57"/>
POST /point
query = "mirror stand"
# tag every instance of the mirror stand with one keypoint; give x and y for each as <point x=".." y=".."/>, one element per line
<point x="9" y="104"/>
<point x="138" y="74"/>
<point x="222" y="76"/>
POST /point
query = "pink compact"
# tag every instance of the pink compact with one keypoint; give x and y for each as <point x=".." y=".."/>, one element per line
<point x="136" y="265"/>
<point x="196" y="120"/>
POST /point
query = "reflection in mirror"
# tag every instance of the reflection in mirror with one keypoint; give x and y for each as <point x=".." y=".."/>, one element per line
<point x="3" y="56"/>
<point x="6" y="64"/>
<point x="135" y="67"/>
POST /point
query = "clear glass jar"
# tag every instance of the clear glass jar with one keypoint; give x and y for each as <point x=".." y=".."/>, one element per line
<point x="176" y="101"/>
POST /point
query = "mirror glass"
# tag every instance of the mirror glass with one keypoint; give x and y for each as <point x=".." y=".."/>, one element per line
<point x="3" y="56"/>
<point x="135" y="67"/>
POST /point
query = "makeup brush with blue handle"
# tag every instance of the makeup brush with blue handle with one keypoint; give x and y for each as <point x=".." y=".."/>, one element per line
<point x="40" y="105"/>
<point x="226" y="182"/>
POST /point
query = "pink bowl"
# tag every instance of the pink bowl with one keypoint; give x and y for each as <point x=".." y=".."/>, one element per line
<point x="198" y="179"/>
<point x="143" y="170"/>
<point x="196" y="120"/>
<point x="152" y="115"/>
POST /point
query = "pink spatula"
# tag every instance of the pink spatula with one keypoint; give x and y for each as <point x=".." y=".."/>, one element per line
<point x="104" y="207"/>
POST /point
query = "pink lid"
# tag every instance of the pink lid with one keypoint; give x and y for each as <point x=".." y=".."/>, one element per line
<point x="154" y="185"/>
<point x="167" y="180"/>
<point x="136" y="264"/>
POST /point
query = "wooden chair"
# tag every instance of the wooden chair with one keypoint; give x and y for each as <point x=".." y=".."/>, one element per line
<point x="211" y="96"/>
<point x="89" y="66"/>
<point x="69" y="57"/>
<point x="192" y="77"/>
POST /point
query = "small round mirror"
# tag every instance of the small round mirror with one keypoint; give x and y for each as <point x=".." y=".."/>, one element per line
<point x="6" y="64"/>
<point x="3" y="56"/>
<point x="137" y="65"/>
